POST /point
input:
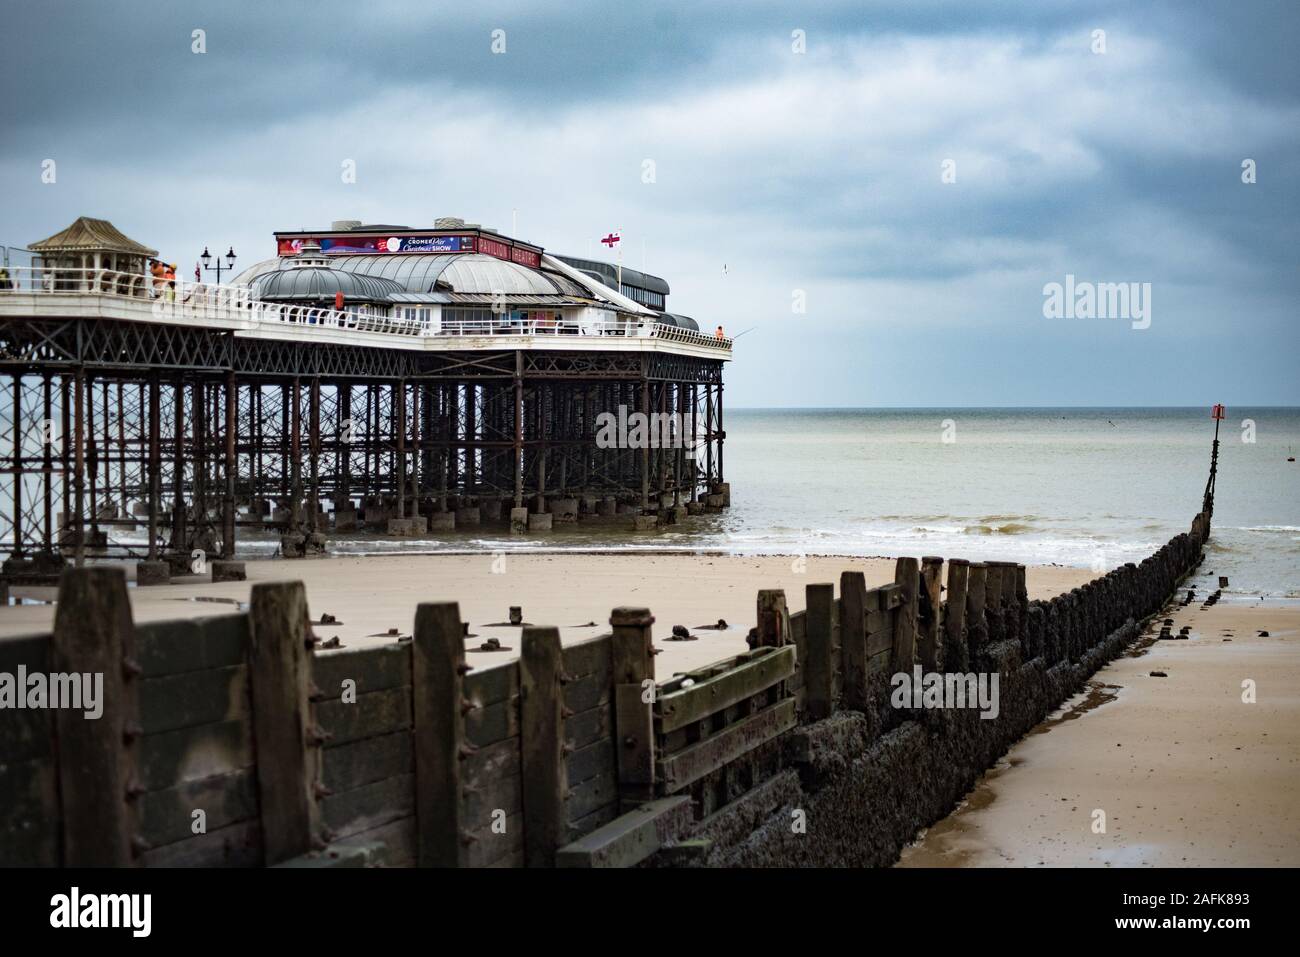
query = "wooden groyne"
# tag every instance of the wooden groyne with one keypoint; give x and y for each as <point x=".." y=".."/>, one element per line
<point x="236" y="740"/>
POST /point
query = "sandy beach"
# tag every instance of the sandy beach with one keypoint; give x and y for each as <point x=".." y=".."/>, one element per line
<point x="575" y="592"/>
<point x="1187" y="773"/>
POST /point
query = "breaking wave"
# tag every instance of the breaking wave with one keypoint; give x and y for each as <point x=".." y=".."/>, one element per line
<point x="1009" y="528"/>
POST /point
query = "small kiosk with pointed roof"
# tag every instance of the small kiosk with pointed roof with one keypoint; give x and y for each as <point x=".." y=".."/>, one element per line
<point x="92" y="254"/>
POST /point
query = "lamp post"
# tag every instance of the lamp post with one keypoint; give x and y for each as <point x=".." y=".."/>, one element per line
<point x="207" y="258"/>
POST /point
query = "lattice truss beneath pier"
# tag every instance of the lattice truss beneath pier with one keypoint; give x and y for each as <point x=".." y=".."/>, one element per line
<point x="131" y="439"/>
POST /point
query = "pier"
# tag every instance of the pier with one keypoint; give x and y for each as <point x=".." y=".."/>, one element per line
<point x="153" y="419"/>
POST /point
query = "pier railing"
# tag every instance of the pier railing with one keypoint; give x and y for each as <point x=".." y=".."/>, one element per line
<point x="182" y="300"/>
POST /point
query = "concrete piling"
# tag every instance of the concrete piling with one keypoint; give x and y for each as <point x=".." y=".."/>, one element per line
<point x="519" y="520"/>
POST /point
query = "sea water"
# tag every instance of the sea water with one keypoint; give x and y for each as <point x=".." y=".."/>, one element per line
<point x="1091" y="488"/>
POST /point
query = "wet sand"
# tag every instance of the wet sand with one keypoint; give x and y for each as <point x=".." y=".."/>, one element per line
<point x="369" y="595"/>
<point x="1188" y="775"/>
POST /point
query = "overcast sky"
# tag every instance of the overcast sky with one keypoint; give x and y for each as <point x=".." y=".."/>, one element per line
<point x="775" y="172"/>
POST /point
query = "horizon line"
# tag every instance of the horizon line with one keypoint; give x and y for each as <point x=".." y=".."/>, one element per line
<point x="988" y="408"/>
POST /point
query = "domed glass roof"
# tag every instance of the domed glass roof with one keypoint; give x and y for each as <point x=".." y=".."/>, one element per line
<point x="465" y="273"/>
<point x="320" y="282"/>
<point x="460" y="273"/>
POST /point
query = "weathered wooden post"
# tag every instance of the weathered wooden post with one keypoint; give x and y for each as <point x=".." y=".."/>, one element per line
<point x="977" y="631"/>
<point x="955" y="653"/>
<point x="993" y="601"/>
<point x="853" y="639"/>
<point x="94" y="636"/>
<point x="928" y="612"/>
<point x="908" y="578"/>
<point x="773" y="619"/>
<point x="881" y="608"/>
<point x="287" y="743"/>
<point x="1072" y="606"/>
<point x="633" y="675"/>
<point x="541" y="725"/>
<point x="1010" y="613"/>
<point x="1006" y="576"/>
<point x="1035" y="629"/>
<point x="1018" y="598"/>
<point x="819" y="691"/>
<point x="437" y="682"/>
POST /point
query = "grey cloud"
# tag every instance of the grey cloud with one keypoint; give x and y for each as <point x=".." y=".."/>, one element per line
<point x="820" y="171"/>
